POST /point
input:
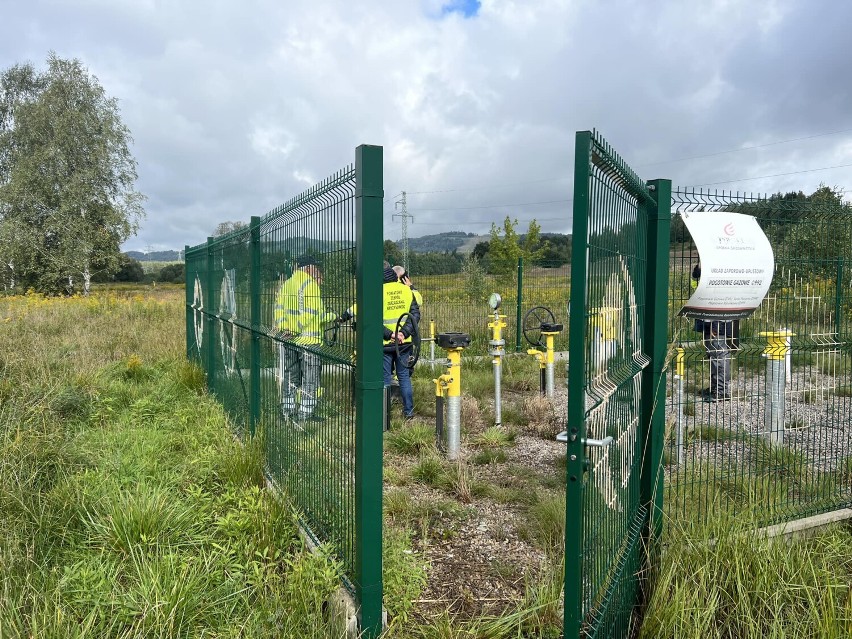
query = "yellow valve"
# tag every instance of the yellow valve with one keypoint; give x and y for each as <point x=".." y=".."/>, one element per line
<point x="441" y="384"/>
<point x="679" y="362"/>
<point x="454" y="372"/>
<point x="548" y="342"/>
<point x="777" y="344"/>
<point x="539" y="355"/>
<point x="432" y="329"/>
<point x="497" y="327"/>
<point x="450" y="382"/>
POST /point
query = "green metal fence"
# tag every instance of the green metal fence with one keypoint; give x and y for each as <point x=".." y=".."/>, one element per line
<point x="459" y="302"/>
<point x="260" y="305"/>
<point x="781" y="445"/>
<point x="616" y="385"/>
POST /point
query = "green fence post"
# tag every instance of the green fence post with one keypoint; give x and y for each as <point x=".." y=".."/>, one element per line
<point x="520" y="298"/>
<point x="655" y="335"/>
<point x="190" y="298"/>
<point x="209" y="316"/>
<point x="254" y="288"/>
<point x="573" y="610"/>
<point x="369" y="383"/>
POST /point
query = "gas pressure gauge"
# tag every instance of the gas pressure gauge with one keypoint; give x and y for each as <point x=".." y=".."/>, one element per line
<point x="494" y="301"/>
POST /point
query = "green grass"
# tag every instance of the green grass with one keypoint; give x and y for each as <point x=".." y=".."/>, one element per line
<point x="488" y="456"/>
<point x="843" y="391"/>
<point x="723" y="580"/>
<point x="411" y="439"/>
<point x="714" y="433"/>
<point x="494" y="437"/>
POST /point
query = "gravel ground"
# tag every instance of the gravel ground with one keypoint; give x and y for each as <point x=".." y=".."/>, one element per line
<point x="818" y="422"/>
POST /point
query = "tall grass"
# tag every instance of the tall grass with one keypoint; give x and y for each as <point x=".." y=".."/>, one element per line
<point x="127" y="509"/>
<point x="726" y="580"/>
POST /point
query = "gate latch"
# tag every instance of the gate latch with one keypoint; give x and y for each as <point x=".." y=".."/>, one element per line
<point x="598" y="443"/>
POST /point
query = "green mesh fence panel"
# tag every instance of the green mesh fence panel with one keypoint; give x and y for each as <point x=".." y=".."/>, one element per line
<point x="781" y="446"/>
<point x="261" y="308"/>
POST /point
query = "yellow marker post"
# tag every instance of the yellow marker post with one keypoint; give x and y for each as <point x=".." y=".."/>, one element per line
<point x="603" y="322"/>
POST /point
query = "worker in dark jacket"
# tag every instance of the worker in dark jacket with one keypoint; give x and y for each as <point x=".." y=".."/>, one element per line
<point x="398" y="301"/>
<point x="717" y="336"/>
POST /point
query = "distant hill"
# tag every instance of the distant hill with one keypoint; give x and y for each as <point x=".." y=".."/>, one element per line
<point x="155" y="256"/>
<point x="459" y="241"/>
<point x="437" y="243"/>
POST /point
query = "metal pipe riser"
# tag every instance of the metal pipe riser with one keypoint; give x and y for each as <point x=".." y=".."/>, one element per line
<point x="498" y="411"/>
<point x="774" y="415"/>
<point x="680" y="407"/>
<point x="453" y="427"/>
<point x="549" y="380"/>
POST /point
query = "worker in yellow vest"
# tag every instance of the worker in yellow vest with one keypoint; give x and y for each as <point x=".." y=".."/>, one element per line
<point x="300" y="316"/>
<point x="398" y="301"/>
<point x="405" y="278"/>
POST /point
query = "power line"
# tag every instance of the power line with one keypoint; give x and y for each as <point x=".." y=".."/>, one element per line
<point x="494" y="206"/>
<point x="565" y="201"/>
<point x="537" y="219"/>
<point x="745" y="148"/>
<point x="683" y="159"/>
<point x="493" y="186"/>
<point x="763" y="177"/>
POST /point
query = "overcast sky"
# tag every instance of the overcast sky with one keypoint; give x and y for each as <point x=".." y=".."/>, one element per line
<point x="236" y="107"/>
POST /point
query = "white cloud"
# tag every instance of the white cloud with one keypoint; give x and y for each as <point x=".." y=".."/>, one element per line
<point x="237" y="107"/>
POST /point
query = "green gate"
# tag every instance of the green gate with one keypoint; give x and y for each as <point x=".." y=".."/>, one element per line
<point x="616" y="389"/>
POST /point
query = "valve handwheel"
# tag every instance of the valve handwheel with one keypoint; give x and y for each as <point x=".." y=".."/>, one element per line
<point x="532" y="324"/>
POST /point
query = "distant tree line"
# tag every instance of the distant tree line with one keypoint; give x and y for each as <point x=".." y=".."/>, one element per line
<point x="497" y="256"/>
<point x="812" y="232"/>
<point x="132" y="270"/>
<point x="431" y="263"/>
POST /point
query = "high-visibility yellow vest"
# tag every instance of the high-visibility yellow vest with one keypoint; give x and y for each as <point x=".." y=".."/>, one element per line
<point x="397" y="301"/>
<point x="418" y="297"/>
<point x="299" y="309"/>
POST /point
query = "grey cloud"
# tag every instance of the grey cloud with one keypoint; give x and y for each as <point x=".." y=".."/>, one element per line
<point x="232" y="106"/>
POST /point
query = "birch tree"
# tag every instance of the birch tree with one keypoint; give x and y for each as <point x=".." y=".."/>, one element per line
<point x="67" y="177"/>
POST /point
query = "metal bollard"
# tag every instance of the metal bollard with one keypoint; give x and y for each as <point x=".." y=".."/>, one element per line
<point x="449" y="385"/>
<point x="777" y="349"/>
